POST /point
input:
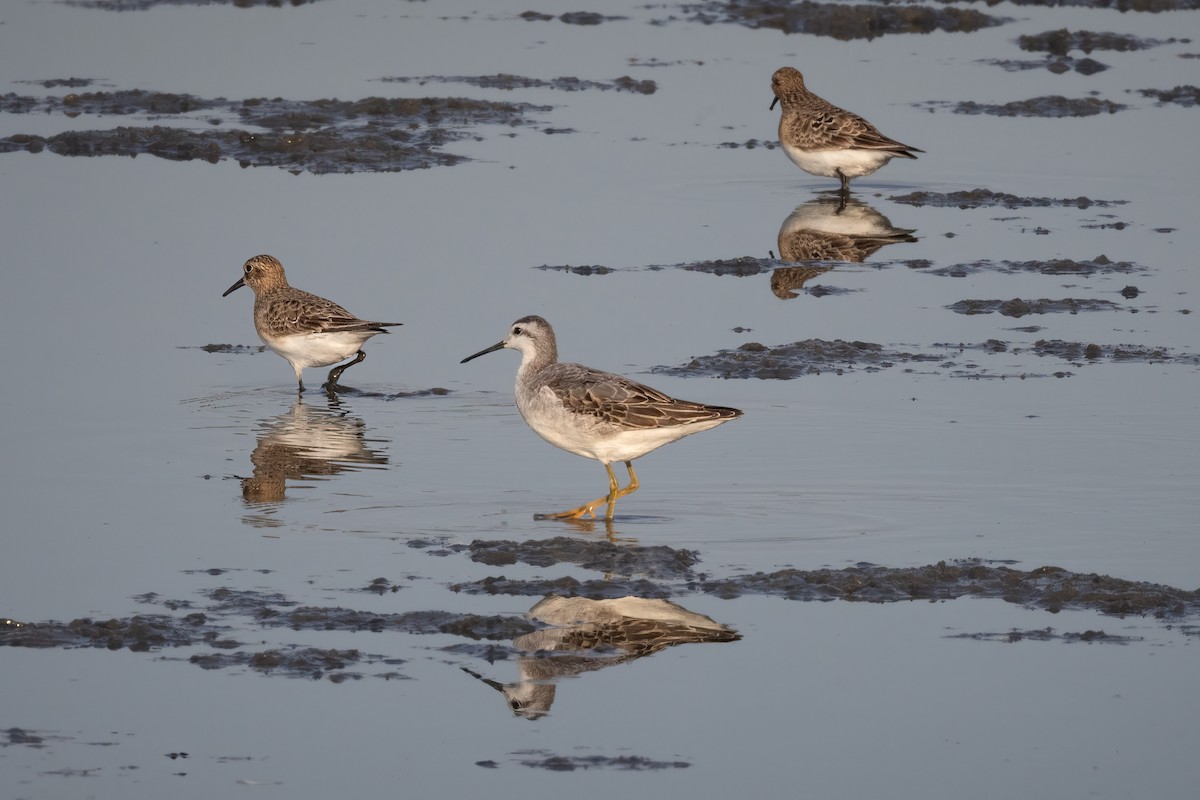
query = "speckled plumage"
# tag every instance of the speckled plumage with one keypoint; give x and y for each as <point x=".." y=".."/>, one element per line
<point x="596" y="414"/>
<point x="307" y="330"/>
<point x="826" y="140"/>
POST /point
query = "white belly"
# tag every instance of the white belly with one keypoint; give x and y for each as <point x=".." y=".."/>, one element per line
<point x="586" y="436"/>
<point x="827" y="163"/>
<point x="317" y="349"/>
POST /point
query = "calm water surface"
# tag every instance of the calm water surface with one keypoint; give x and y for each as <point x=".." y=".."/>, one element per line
<point x="135" y="462"/>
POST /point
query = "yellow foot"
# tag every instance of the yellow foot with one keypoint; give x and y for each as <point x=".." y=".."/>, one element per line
<point x="609" y="499"/>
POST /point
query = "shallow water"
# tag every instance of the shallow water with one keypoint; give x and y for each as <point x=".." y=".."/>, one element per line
<point x="144" y="475"/>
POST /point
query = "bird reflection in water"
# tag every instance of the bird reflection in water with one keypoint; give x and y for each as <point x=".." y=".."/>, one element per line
<point x="588" y="635"/>
<point x="305" y="443"/>
<point x="830" y="229"/>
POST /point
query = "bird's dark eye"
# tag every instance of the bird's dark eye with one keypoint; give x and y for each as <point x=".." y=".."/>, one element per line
<point x="515" y="704"/>
<point x="249" y="269"/>
<point x="517" y="331"/>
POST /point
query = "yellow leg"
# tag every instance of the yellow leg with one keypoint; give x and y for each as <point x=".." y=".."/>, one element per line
<point x="609" y="499"/>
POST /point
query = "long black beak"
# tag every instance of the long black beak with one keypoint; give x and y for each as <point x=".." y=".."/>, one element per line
<point x="773" y="102"/>
<point x="240" y="283"/>
<point x="492" y="349"/>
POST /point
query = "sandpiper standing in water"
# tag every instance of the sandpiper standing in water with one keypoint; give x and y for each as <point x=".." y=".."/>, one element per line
<point x="307" y="330"/>
<point x="596" y="414"/>
<point x="825" y="140"/>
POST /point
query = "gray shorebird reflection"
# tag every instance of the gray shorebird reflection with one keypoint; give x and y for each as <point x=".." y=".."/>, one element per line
<point x="596" y="414"/>
<point x="307" y="330"/>
<point x="588" y="635"/>
<point x="830" y="229"/>
<point x="307" y="443"/>
<point x="822" y="139"/>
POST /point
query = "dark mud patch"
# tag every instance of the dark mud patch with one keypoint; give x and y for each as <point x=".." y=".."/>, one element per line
<point x="1081" y="353"/>
<point x="839" y="20"/>
<point x="1057" y="65"/>
<point x="1050" y="588"/>
<point x="375" y="134"/>
<point x="571" y="17"/>
<point x="143" y="5"/>
<point x="1020" y="308"/>
<point x="1062" y="41"/>
<point x="511" y="82"/>
<point x="742" y="267"/>
<point x="141" y="633"/>
<point x="228" y="349"/>
<point x="544" y="759"/>
<point x="292" y="662"/>
<point x="819" y="356"/>
<point x="1052" y="106"/>
<point x="654" y="561"/>
<point x="1048" y="635"/>
<point x="1150" y="6"/>
<point x="607" y="589"/>
<point x="582" y="269"/>
<point x="1100" y="265"/>
<point x="55" y="83"/>
<point x="986" y="198"/>
<point x="24" y="737"/>
<point x="789" y="361"/>
<point x="1187" y="96"/>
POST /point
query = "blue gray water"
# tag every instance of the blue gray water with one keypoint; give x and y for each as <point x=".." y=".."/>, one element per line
<point x="126" y="446"/>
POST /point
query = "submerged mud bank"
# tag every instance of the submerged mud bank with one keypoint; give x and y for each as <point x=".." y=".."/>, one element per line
<point x="1051" y="106"/>
<point x="820" y="356"/>
<point x="1020" y="308"/>
<point x="374" y="134"/>
<point x="840" y="20"/>
<point x="986" y="198"/>
<point x="225" y="626"/>
<point x="1100" y="265"/>
<point x="510" y="82"/>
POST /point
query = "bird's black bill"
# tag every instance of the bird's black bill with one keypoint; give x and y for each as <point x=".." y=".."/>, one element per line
<point x="492" y="349"/>
<point x="773" y="102"/>
<point x="240" y="283"/>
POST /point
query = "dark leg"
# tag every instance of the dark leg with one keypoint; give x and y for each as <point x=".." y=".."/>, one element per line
<point x="331" y="384"/>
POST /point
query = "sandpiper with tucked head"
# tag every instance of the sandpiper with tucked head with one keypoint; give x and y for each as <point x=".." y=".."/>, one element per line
<point x="825" y="140"/>
<point x="596" y="414"/>
<point x="307" y="330"/>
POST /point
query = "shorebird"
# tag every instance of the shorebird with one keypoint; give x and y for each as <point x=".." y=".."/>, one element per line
<point x="307" y="330"/>
<point x="825" y="140"/>
<point x="596" y="414"/>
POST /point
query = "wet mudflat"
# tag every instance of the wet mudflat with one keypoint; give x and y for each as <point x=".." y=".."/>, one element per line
<point x="213" y="585"/>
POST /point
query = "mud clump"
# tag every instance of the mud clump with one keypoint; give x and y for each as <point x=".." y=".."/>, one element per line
<point x="839" y="20"/>
<point x="1079" y="352"/>
<point x="1150" y="6"/>
<point x="1051" y="106"/>
<point x="541" y="759"/>
<point x="1062" y="41"/>
<point x="1100" y="265"/>
<point x="510" y="82"/>
<point x="570" y="18"/>
<point x="789" y="361"/>
<point x="743" y="267"/>
<point x="374" y="134"/>
<point x="582" y="269"/>
<point x="1186" y="96"/>
<point x="1058" y="66"/>
<point x="143" y="5"/>
<point x="655" y="561"/>
<point x="1051" y="588"/>
<point x="1048" y="635"/>
<point x="292" y="662"/>
<point x="1020" y="308"/>
<point x="606" y="589"/>
<point x="986" y="198"/>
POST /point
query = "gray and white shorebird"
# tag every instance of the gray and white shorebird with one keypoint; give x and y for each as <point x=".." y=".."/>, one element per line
<point x="307" y="330"/>
<point x="596" y="414"/>
<point x="825" y="140"/>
